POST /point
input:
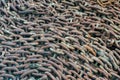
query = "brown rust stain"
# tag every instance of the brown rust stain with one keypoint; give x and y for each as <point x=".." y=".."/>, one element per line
<point x="90" y="49"/>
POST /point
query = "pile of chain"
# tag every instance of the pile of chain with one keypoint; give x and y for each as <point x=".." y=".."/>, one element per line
<point x="59" y="40"/>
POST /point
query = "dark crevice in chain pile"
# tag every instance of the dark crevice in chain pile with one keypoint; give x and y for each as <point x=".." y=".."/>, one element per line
<point x="59" y="40"/>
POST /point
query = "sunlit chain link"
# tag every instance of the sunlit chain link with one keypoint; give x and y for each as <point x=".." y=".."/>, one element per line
<point x="104" y="3"/>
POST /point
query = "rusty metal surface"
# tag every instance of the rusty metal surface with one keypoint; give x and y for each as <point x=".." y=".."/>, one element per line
<point x="59" y="40"/>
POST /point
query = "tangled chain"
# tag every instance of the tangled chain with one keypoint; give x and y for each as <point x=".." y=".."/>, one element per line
<point x="59" y="40"/>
